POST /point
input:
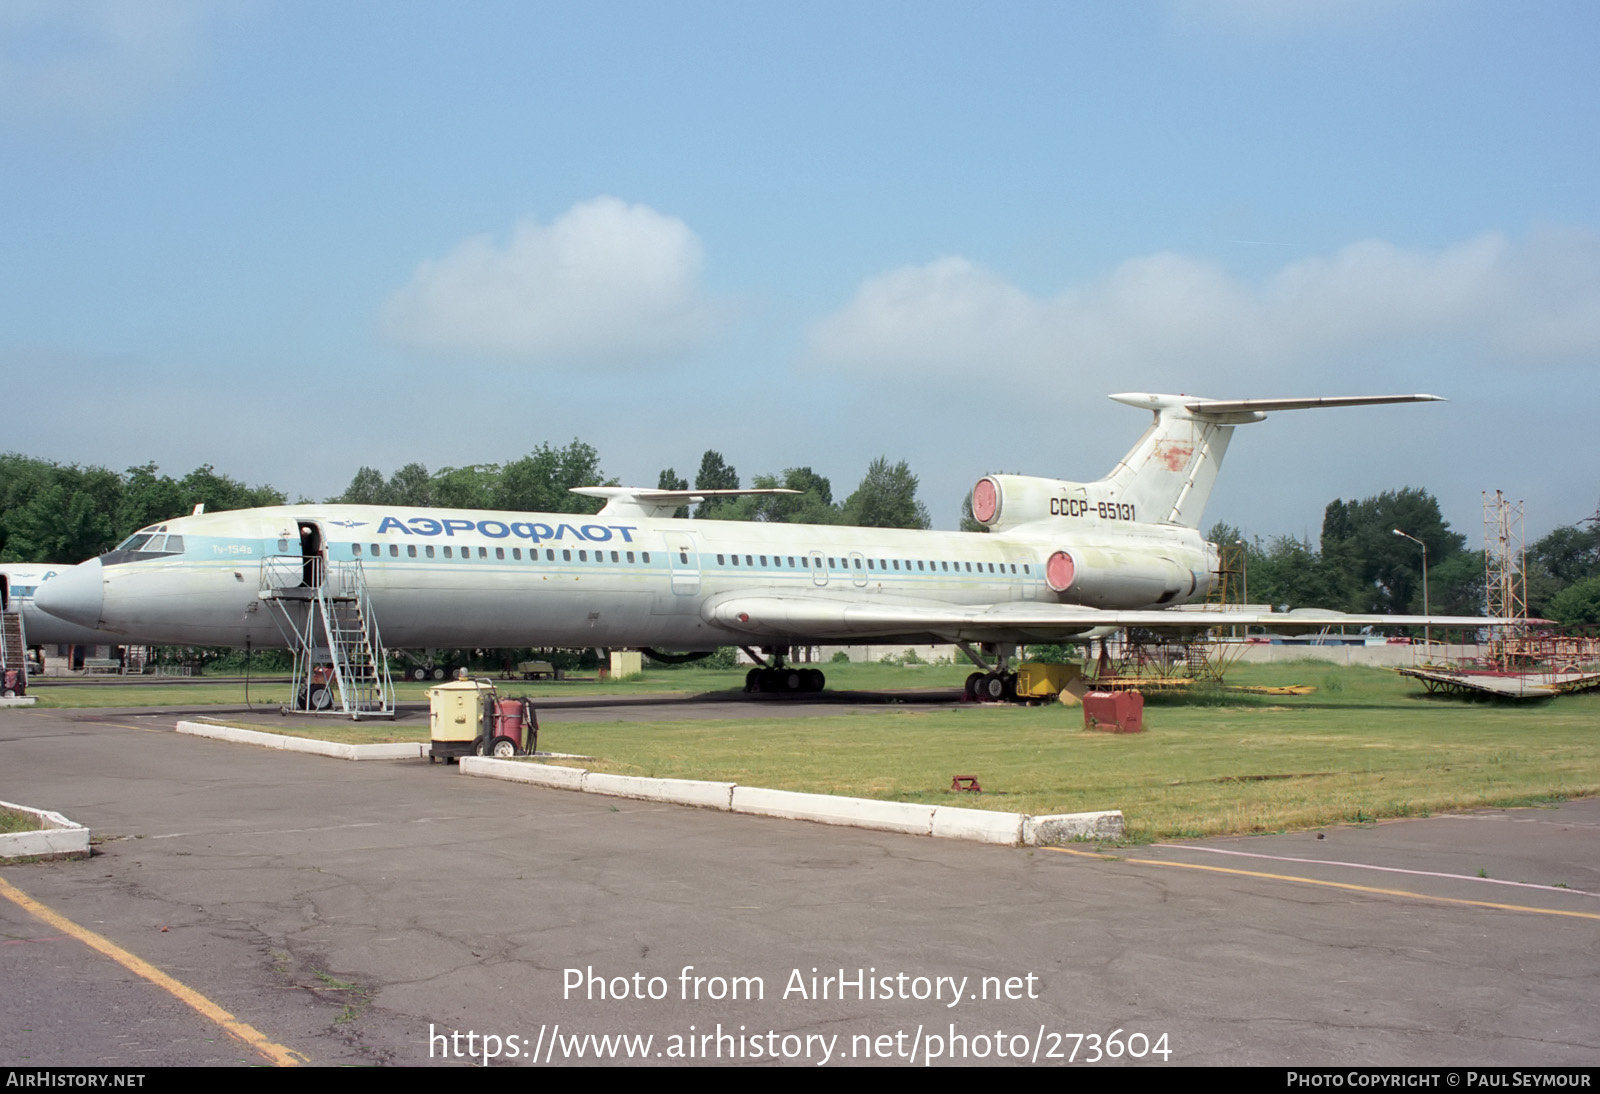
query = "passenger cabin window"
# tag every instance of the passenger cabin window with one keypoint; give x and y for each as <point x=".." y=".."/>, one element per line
<point x="411" y="550"/>
<point x="428" y="550"/>
<point x="499" y="552"/>
<point x="447" y="553"/>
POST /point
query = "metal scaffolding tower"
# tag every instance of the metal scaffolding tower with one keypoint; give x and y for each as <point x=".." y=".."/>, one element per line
<point x="1505" y="575"/>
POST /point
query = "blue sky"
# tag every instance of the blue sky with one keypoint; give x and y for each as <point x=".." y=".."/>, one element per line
<point x="290" y="239"/>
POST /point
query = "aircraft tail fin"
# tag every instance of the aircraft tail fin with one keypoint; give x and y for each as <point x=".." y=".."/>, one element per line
<point x="1168" y="474"/>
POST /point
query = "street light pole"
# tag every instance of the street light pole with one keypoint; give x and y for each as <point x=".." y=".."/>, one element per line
<point x="1427" y="630"/>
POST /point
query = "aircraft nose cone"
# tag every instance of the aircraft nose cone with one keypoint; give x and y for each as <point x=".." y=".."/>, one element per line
<point x="76" y="595"/>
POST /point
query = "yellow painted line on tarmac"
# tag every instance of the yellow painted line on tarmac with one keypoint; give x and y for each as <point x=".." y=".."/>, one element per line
<point x="1370" y="889"/>
<point x="275" y="1053"/>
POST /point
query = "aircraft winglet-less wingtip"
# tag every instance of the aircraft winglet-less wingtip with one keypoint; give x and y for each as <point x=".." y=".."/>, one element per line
<point x="1064" y="562"/>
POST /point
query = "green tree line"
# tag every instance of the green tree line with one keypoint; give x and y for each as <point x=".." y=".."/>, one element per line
<point x="51" y="512"/>
<point x="1359" y="564"/>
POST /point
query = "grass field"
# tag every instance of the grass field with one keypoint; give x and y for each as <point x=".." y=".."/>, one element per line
<point x="13" y="821"/>
<point x="1366" y="745"/>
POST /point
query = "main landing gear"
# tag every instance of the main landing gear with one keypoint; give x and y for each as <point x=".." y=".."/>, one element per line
<point x="992" y="687"/>
<point x="996" y="683"/>
<point x="777" y="678"/>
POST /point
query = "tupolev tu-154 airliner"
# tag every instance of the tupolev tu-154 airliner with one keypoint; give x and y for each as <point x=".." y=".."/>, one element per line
<point x="1063" y="562"/>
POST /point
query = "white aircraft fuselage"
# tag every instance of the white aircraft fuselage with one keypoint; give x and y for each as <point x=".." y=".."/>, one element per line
<point x="445" y="578"/>
<point x="1061" y="561"/>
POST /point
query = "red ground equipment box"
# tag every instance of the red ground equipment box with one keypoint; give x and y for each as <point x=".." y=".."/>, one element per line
<point x="1114" y="711"/>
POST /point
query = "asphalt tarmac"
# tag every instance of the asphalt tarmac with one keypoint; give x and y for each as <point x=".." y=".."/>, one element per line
<point x="397" y="913"/>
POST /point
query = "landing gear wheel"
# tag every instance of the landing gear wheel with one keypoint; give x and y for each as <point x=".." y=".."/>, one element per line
<point x="418" y="674"/>
<point x="998" y="687"/>
<point x="503" y="748"/>
<point x="752" y="681"/>
<point x="812" y="680"/>
<point x="438" y="672"/>
<point x="974" y="683"/>
<point x="791" y="680"/>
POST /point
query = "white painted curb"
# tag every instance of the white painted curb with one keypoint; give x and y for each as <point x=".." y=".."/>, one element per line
<point x="943" y="821"/>
<point x="18" y="700"/>
<point x="915" y="820"/>
<point x="954" y="822"/>
<point x="556" y="778"/>
<point x="696" y="792"/>
<point x="59" y="838"/>
<point x="1072" y="827"/>
<point x="706" y="795"/>
<point x="399" y="750"/>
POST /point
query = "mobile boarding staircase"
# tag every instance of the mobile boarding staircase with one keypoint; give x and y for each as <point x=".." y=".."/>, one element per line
<point x="13" y="650"/>
<point x="322" y="608"/>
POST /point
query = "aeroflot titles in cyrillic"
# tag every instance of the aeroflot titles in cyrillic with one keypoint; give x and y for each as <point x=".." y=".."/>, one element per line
<point x="537" y="531"/>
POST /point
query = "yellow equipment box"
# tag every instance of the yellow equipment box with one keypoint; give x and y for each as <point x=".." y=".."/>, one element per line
<point x="1037" y="680"/>
<point x="456" y="711"/>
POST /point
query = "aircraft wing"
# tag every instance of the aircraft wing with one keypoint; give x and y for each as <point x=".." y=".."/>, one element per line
<point x="824" y="616"/>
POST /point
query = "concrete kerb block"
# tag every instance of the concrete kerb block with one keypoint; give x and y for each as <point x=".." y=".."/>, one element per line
<point x="915" y="820"/>
<point x="393" y="750"/>
<point x="548" y="775"/>
<point x="697" y="792"/>
<point x="60" y="838"/>
<point x="1051" y="831"/>
<point x="955" y="822"/>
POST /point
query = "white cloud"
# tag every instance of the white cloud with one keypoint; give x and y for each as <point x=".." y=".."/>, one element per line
<point x="1524" y="302"/>
<point x="606" y="283"/>
<point x="95" y="59"/>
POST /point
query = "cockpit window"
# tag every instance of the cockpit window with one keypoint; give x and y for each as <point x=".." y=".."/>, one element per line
<point x="141" y="546"/>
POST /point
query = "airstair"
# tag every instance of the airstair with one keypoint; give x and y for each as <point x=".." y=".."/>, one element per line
<point x="13" y="647"/>
<point x="322" y="608"/>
